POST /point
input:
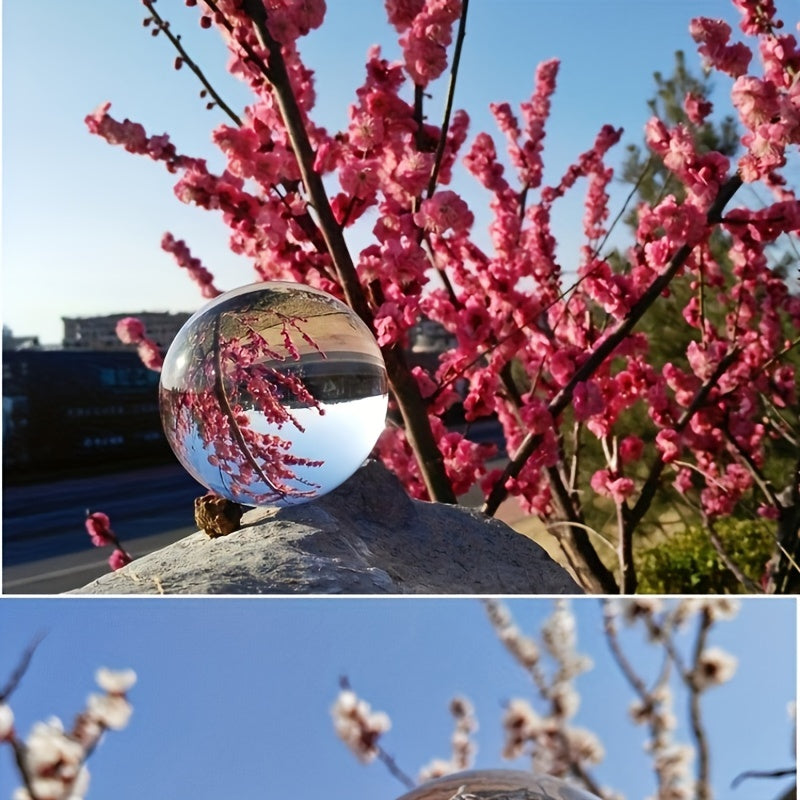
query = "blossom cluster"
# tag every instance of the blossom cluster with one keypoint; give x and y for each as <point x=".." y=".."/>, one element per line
<point x="555" y="364"/>
<point x="52" y="759"/>
<point x="463" y="746"/>
<point x="654" y="701"/>
<point x="555" y="745"/>
<point x="98" y="526"/>
<point x="131" y="330"/>
<point x="358" y="726"/>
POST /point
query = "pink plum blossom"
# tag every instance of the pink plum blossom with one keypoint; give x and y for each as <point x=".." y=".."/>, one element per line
<point x="98" y="527"/>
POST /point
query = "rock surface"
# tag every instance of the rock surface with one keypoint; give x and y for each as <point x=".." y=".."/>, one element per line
<point x="366" y="537"/>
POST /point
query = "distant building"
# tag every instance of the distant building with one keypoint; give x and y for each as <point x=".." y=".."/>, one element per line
<point x="99" y="333"/>
<point x="11" y="342"/>
<point x="428" y="336"/>
<point x="66" y="410"/>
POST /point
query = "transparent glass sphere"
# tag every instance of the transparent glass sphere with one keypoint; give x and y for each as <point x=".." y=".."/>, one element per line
<point x="273" y="394"/>
<point x="497" y="784"/>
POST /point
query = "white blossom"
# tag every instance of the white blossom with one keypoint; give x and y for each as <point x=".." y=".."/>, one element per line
<point x="714" y="667"/>
<point x="723" y="608"/>
<point x="48" y="746"/>
<point x="584" y="746"/>
<point x="115" y="681"/>
<point x="110" y="710"/>
<point x="357" y="725"/>
<point x="6" y="721"/>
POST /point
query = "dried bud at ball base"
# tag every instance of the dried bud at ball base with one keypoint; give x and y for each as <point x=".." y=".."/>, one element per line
<point x="217" y="516"/>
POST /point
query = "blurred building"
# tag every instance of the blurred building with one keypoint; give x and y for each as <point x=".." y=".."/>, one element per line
<point x="11" y="342"/>
<point x="99" y="333"/>
<point x="428" y="336"/>
<point x="69" y="409"/>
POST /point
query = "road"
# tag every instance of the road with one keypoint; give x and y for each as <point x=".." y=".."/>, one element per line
<point x="46" y="549"/>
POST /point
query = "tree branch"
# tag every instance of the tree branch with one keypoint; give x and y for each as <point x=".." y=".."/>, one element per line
<point x="451" y="91"/>
<point x="163" y="26"/>
<point x="698" y="731"/>
<point x="21" y="668"/>
<point x="403" y="384"/>
<point x="604" y="349"/>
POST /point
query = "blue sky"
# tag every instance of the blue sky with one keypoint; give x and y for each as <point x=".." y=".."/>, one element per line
<point x="233" y="695"/>
<point x="82" y="221"/>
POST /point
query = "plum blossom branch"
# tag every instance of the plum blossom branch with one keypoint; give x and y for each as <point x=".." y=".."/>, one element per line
<point x="556" y="747"/>
<point x="404" y="387"/>
<point x="707" y="667"/>
<point x="360" y="728"/>
<point x="98" y="526"/>
<point x="536" y="358"/>
<point x="604" y="349"/>
<point x="463" y="747"/>
<point x="51" y="761"/>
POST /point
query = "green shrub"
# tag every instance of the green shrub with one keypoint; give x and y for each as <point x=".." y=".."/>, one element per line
<point x="687" y="563"/>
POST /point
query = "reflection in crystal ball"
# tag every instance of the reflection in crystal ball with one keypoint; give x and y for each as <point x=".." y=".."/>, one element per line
<point x="273" y="394"/>
<point x="497" y="784"/>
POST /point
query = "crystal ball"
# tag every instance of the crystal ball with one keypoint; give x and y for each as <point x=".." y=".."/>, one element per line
<point x="497" y="784"/>
<point x="273" y="394"/>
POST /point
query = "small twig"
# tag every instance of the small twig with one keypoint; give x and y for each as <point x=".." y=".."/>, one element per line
<point x="21" y="668"/>
<point x="757" y="773"/>
<point x="390" y="764"/>
<point x="698" y="731"/>
<point x="163" y="26"/>
<point x="628" y="199"/>
<point x="451" y="90"/>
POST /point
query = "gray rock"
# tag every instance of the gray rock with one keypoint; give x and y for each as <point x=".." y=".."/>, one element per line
<point x="366" y="537"/>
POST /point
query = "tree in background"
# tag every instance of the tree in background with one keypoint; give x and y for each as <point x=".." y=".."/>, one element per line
<point x="565" y="366"/>
<point x="543" y="729"/>
<point x="699" y="554"/>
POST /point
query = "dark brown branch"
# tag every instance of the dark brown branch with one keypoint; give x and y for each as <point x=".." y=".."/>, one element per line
<point x="451" y="91"/>
<point x="589" y="569"/>
<point x="403" y="384"/>
<point x="627" y="568"/>
<point x="703" y="783"/>
<point x="394" y="770"/>
<point x="21" y="668"/>
<point x="757" y="773"/>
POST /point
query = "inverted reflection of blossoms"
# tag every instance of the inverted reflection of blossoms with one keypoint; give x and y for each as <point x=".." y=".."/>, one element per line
<point x="273" y="394"/>
<point x="497" y="784"/>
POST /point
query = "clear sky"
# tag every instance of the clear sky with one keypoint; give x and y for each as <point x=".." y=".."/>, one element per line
<point x="82" y="221"/>
<point x="233" y="695"/>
